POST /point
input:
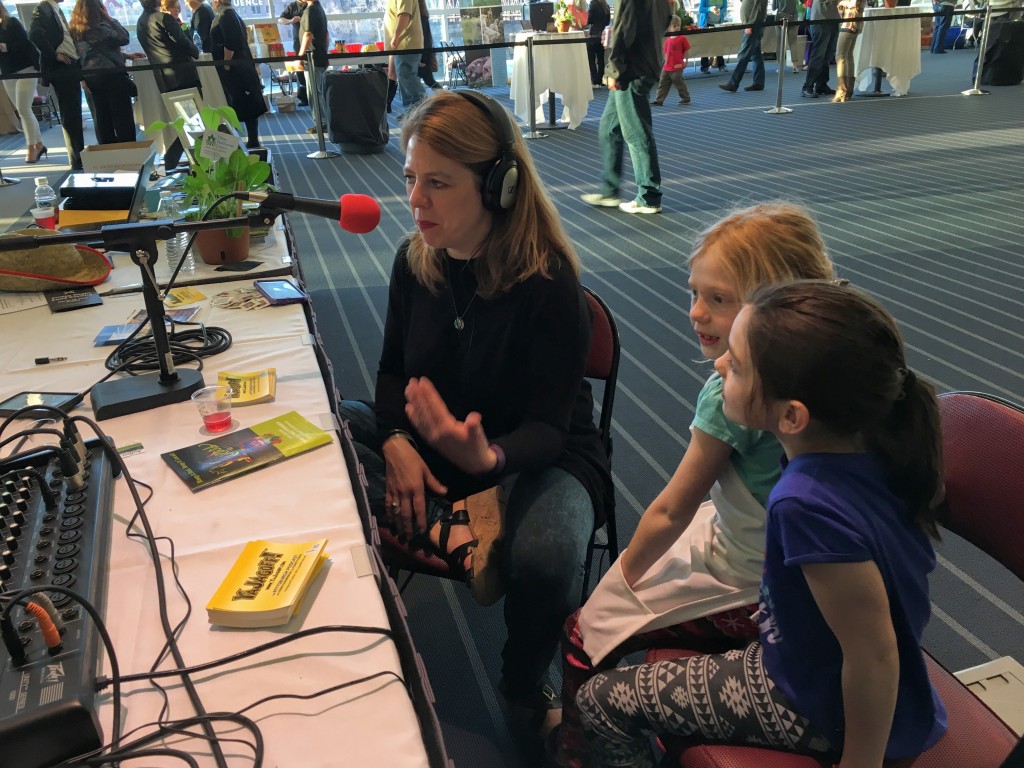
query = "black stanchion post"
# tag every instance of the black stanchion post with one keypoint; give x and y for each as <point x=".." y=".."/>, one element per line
<point x="780" y="56"/>
<point x="314" y="99"/>
<point x="976" y="90"/>
<point x="533" y="133"/>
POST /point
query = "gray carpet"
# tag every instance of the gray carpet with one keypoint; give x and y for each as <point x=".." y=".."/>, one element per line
<point x="919" y="199"/>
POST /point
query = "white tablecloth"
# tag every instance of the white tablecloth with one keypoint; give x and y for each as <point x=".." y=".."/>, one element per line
<point x="893" y="46"/>
<point x="305" y="498"/>
<point x="561" y="69"/>
<point x="726" y="42"/>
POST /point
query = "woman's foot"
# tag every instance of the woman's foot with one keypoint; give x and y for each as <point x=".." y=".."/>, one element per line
<point x="454" y="539"/>
<point x="34" y="152"/>
<point x="470" y="537"/>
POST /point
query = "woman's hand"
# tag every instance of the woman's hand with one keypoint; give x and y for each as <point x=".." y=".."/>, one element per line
<point x="407" y="479"/>
<point x="463" y="443"/>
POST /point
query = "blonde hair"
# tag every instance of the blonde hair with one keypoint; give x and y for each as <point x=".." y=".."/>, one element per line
<point x="525" y="240"/>
<point x="766" y="243"/>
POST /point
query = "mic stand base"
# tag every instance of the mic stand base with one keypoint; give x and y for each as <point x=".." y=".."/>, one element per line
<point x="141" y="393"/>
<point x="322" y="154"/>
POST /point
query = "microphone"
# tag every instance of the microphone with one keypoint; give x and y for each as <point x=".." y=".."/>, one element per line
<point x="354" y="213"/>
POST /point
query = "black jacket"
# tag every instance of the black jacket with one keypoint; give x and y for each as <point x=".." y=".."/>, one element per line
<point x="242" y="84"/>
<point x="47" y="32"/>
<point x="636" y="45"/>
<point x="165" y="44"/>
<point x="100" y="47"/>
<point x="20" y="52"/>
<point x="202" y="20"/>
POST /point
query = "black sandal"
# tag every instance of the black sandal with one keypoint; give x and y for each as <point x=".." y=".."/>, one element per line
<point x="457" y="556"/>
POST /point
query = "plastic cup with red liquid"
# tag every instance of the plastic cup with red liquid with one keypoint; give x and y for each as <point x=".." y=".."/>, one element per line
<point x="214" y="404"/>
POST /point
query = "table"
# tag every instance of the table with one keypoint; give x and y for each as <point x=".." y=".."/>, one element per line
<point x="560" y="69"/>
<point x="726" y="42"/>
<point x="372" y="723"/>
<point x="892" y="46"/>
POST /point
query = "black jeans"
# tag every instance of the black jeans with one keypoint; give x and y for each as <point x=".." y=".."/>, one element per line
<point x="69" y="101"/>
<point x="112" y="108"/>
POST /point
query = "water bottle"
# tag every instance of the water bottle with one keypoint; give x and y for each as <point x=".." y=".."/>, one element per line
<point x="168" y="208"/>
<point x="45" y="197"/>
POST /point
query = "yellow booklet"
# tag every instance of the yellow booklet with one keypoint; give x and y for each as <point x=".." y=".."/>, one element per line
<point x="251" y="387"/>
<point x="266" y="584"/>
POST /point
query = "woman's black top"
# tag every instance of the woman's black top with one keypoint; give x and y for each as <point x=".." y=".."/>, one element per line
<point x="242" y="84"/>
<point x="165" y="44"/>
<point x="21" y="53"/>
<point x="519" y="361"/>
<point x="100" y="47"/>
<point x="202" y="21"/>
<point x="598" y="18"/>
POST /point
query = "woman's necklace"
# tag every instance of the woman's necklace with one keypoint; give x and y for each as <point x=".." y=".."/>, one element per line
<point x="459" y="323"/>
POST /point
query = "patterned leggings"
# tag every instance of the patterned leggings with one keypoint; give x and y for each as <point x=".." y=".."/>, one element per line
<point x="709" y="634"/>
<point x="725" y="697"/>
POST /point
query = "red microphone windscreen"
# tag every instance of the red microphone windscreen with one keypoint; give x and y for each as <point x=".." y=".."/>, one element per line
<point x="359" y="214"/>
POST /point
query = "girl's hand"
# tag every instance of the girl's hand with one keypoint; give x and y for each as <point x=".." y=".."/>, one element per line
<point x="463" y="443"/>
<point x="407" y="480"/>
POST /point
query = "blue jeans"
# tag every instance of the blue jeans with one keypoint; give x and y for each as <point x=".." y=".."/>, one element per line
<point x="626" y="121"/>
<point x="548" y="521"/>
<point x="824" y="37"/>
<point x="407" y="70"/>
<point x="750" y="48"/>
<point x="943" y="19"/>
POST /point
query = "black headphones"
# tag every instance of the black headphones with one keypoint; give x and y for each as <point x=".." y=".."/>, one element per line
<point x="502" y="180"/>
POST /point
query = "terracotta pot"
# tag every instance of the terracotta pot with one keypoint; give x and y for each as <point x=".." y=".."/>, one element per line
<point x="216" y="247"/>
<point x="562" y="26"/>
<point x="889" y="3"/>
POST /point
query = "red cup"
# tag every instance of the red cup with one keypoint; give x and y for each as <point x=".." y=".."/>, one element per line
<point x="217" y="422"/>
<point x="214" y="404"/>
<point x="45" y="217"/>
<point x="354" y="47"/>
<point x="380" y="45"/>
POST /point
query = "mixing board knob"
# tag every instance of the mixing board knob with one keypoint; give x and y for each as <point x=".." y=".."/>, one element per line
<point x="5" y="573"/>
<point x="11" y="543"/>
<point x="7" y="498"/>
<point x="7" y="557"/>
<point x="18" y="516"/>
<point x="14" y="529"/>
<point x="21" y="505"/>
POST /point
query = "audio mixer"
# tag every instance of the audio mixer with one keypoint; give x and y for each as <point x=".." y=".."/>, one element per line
<point x="55" y="524"/>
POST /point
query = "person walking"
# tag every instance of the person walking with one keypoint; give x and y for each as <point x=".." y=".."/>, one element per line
<point x="599" y="16"/>
<point x="788" y="10"/>
<point x="943" y="19"/>
<point x="98" y="38"/>
<point x="634" y="65"/>
<point x="59" y="67"/>
<point x="242" y="84"/>
<point x="19" y="56"/>
<point x="675" y="49"/>
<point x="751" y="12"/>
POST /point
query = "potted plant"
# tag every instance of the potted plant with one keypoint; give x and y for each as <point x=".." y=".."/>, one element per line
<point x="566" y="17"/>
<point x="211" y="179"/>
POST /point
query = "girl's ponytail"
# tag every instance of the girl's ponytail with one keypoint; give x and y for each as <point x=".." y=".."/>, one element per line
<point x="910" y="442"/>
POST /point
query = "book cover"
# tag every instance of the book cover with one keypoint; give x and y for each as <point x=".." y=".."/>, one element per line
<point x="266" y="584"/>
<point x="245" y="450"/>
<point x="115" y="334"/>
<point x="72" y="298"/>
<point x="251" y="387"/>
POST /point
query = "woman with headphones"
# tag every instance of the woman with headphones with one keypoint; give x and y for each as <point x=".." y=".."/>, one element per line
<point x="481" y="378"/>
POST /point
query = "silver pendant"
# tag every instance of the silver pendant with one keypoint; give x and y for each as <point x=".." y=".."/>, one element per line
<point x="459" y="325"/>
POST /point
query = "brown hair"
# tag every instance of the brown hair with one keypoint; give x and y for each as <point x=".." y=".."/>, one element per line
<point x="526" y="239"/>
<point x="837" y="351"/>
<point x="86" y="15"/>
<point x="766" y="243"/>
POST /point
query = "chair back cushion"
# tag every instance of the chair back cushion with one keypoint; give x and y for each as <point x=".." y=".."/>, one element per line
<point x="983" y="452"/>
<point x="602" y="341"/>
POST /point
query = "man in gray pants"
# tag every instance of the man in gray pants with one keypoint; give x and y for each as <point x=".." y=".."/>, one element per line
<point x="824" y="37"/>
<point x="751" y="12"/>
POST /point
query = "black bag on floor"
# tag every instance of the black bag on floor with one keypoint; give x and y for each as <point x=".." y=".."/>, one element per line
<point x="1004" y="56"/>
<point x="355" y="102"/>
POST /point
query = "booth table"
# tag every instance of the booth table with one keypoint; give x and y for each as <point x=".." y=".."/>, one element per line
<point x="726" y="42"/>
<point x="892" y="46"/>
<point x="560" y="69"/>
<point x="304" y="498"/>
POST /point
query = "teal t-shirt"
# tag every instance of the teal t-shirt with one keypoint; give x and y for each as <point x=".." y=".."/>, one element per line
<point x="756" y="454"/>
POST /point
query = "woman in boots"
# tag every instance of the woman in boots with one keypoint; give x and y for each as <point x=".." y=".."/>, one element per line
<point x="848" y="31"/>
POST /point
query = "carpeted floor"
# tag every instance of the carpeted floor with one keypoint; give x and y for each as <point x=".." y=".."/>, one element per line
<point x="920" y="201"/>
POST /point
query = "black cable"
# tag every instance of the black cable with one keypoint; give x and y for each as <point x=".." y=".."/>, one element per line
<point x="29" y="433"/>
<point x="325" y="691"/>
<point x="124" y="756"/>
<point x="102" y="683"/>
<point x="165" y="622"/>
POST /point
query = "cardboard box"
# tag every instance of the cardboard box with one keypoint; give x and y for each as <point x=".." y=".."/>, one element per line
<point x="125" y="156"/>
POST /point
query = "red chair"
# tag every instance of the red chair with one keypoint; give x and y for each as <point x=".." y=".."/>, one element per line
<point x="602" y="365"/>
<point x="983" y="446"/>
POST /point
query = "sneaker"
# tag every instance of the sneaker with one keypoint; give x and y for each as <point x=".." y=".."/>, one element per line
<point x="684" y="101"/>
<point x="809" y="93"/>
<point x="602" y="201"/>
<point x="634" y="207"/>
<point x="824" y="90"/>
<point x="728" y="87"/>
<point x="754" y="88"/>
<point x="657" y="103"/>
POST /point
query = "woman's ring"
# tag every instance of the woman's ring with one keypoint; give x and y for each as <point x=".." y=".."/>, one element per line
<point x="395" y="505"/>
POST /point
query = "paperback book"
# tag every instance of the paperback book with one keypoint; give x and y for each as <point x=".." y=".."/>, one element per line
<point x="245" y="450"/>
<point x="251" y="387"/>
<point x="267" y="583"/>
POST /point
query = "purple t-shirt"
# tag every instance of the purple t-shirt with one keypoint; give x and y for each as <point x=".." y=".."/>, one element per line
<point x="837" y="508"/>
